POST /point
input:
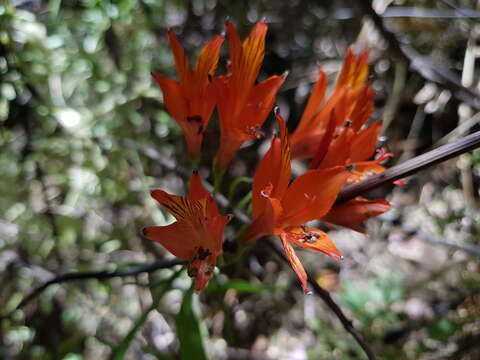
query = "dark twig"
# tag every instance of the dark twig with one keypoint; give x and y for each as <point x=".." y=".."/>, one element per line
<point x="327" y="299"/>
<point x="411" y="166"/>
<point x="99" y="275"/>
<point x="422" y="65"/>
<point x="412" y="12"/>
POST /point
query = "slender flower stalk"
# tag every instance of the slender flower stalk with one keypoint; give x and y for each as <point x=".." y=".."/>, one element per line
<point x="191" y="100"/>
<point x="197" y="234"/>
<point x="280" y="208"/>
<point x="243" y="106"/>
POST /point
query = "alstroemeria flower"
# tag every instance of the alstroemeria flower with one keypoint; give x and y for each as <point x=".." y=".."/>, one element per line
<point x="352" y="100"/>
<point x="334" y="133"/>
<point x="191" y="100"/>
<point x="280" y="208"/>
<point x="243" y="106"/>
<point x="197" y="234"/>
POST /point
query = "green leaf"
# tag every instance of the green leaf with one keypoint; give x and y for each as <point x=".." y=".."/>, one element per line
<point x="188" y="330"/>
<point x="241" y="286"/>
<point x="442" y="329"/>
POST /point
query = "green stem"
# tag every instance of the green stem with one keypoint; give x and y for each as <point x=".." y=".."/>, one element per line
<point x="244" y="201"/>
<point x="218" y="178"/>
<point x="194" y="161"/>
<point x="234" y="185"/>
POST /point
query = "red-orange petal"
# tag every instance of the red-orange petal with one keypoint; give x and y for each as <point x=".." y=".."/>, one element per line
<point x="208" y="58"/>
<point x="314" y="101"/>
<point x="172" y="97"/>
<point x="178" y="238"/>
<point x="295" y="263"/>
<point x="355" y="212"/>
<point x="253" y="52"/>
<point x="181" y="60"/>
<point x="234" y="45"/>
<point x="324" y="143"/>
<point x="202" y="271"/>
<point x="313" y="239"/>
<point x="274" y="170"/>
<point x="318" y="125"/>
<point x="197" y="190"/>
<point x="354" y="70"/>
<point x="266" y="223"/>
<point x="364" y="143"/>
<point x="339" y="151"/>
<point x="318" y="188"/>
<point x="305" y="145"/>
<point x="180" y="207"/>
<point x="347" y="69"/>
<point x="260" y="102"/>
<point x="265" y="175"/>
<point x="363" y="109"/>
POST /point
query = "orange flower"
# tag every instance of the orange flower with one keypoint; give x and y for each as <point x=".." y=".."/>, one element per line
<point x="281" y="209"/>
<point x="191" y="100"/>
<point x="243" y="105"/>
<point x="334" y="133"/>
<point x="352" y="99"/>
<point x="197" y="234"/>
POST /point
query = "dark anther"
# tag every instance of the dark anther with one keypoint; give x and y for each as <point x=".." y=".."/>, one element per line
<point x="351" y="167"/>
<point x="202" y="253"/>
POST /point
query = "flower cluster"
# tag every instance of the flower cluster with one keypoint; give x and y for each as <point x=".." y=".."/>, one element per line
<point x="333" y="133"/>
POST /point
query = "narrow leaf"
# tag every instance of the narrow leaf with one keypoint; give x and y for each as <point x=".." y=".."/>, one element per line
<point x="188" y="330"/>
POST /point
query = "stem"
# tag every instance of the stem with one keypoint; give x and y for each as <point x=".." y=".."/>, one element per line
<point x="194" y="161"/>
<point x="217" y="182"/>
<point x="234" y="185"/>
<point x="410" y="167"/>
<point x="327" y="299"/>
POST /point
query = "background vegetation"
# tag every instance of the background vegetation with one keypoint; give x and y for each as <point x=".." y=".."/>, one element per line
<point x="84" y="136"/>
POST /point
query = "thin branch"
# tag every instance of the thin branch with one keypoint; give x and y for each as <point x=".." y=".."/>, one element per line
<point x="345" y="13"/>
<point x="411" y="166"/>
<point x="99" y="275"/>
<point x="327" y="299"/>
<point x="420" y="64"/>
